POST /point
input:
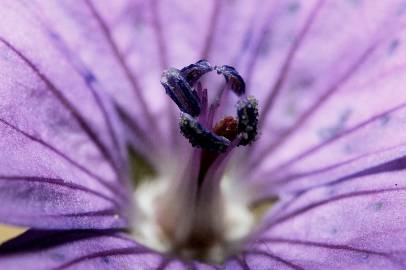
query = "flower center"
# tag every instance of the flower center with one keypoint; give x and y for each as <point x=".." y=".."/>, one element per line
<point x="195" y="211"/>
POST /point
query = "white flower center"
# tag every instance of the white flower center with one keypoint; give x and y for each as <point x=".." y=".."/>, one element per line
<point x="236" y="220"/>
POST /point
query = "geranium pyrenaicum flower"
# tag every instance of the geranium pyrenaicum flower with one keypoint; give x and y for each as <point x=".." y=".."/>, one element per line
<point x="203" y="134"/>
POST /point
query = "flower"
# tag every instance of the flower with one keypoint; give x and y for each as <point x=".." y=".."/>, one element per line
<point x="80" y="84"/>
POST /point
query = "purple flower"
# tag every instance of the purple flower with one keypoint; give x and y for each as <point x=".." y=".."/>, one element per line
<point x="97" y="162"/>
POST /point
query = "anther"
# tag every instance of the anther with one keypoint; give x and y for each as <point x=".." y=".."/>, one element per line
<point x="247" y="113"/>
<point x="193" y="72"/>
<point x="231" y="75"/>
<point x="180" y="91"/>
<point x="179" y="86"/>
<point x="200" y="136"/>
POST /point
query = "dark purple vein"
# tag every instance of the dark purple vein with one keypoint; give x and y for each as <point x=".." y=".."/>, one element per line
<point x="238" y="56"/>
<point x="347" y="248"/>
<point x="123" y="64"/>
<point x="89" y="81"/>
<point x="276" y="87"/>
<point x="133" y="125"/>
<point x="37" y="240"/>
<point x="100" y="254"/>
<point x="382" y="167"/>
<point x="98" y="213"/>
<point x="164" y="263"/>
<point x="345" y="133"/>
<point x="102" y="181"/>
<point x="111" y="212"/>
<point x="281" y="78"/>
<point x="157" y="25"/>
<point x="106" y="116"/>
<point x="57" y="182"/>
<point x="297" y="176"/>
<point x="211" y="31"/>
<point x="389" y="166"/>
<point x="248" y="31"/>
<point x="254" y="56"/>
<point x="323" y="245"/>
<point x="274" y="257"/>
<point x="64" y="101"/>
<point x="80" y="68"/>
<point x="397" y="164"/>
<point x="240" y="259"/>
<point x="267" y="150"/>
<point x="163" y="57"/>
<point x="338" y="198"/>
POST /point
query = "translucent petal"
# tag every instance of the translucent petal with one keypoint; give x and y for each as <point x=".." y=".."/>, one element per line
<point x="62" y="147"/>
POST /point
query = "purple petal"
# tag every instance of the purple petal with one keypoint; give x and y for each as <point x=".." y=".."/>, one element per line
<point x="343" y="146"/>
<point x="115" y="31"/>
<point x="108" y="249"/>
<point x="347" y="147"/>
<point x="76" y="250"/>
<point x="343" y="113"/>
<point x="62" y="147"/>
<point x="353" y="225"/>
<point x="371" y="146"/>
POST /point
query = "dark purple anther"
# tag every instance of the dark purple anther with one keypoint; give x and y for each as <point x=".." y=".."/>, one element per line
<point x="201" y="137"/>
<point x="231" y="75"/>
<point x="213" y="137"/>
<point x="247" y="113"/>
<point x="180" y="91"/>
<point x="193" y="72"/>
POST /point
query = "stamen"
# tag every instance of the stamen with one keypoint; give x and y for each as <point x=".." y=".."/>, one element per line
<point x="193" y="212"/>
<point x="193" y="72"/>
<point x="180" y="91"/>
<point x="200" y="136"/>
<point x="231" y="75"/>
<point x="179" y="86"/>
<point x="247" y="112"/>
